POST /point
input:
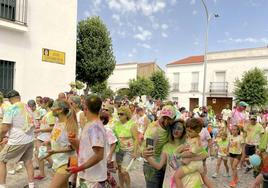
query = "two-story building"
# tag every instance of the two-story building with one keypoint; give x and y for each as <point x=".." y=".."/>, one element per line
<point x="37" y="46"/>
<point x="223" y="68"/>
<point x="127" y="71"/>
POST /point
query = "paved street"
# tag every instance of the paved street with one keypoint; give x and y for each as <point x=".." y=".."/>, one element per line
<point x="19" y="180"/>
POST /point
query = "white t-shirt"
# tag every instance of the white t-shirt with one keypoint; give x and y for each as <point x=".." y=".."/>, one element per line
<point x="93" y="134"/>
<point x="22" y="124"/>
<point x="226" y="113"/>
<point x="111" y="139"/>
<point x="205" y="137"/>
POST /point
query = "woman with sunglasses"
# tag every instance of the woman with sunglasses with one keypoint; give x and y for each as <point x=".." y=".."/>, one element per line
<point x="61" y="148"/>
<point x="127" y="134"/>
<point x="169" y="158"/>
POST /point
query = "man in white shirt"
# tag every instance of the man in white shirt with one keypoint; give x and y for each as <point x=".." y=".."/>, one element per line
<point x="18" y="122"/>
<point x="226" y="113"/>
<point x="92" y="161"/>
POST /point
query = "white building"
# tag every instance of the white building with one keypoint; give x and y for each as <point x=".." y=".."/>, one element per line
<point x="125" y="72"/>
<point x="28" y="30"/>
<point x="186" y="76"/>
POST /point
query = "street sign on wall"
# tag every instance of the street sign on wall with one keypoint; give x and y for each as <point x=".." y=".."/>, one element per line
<point x="53" y="56"/>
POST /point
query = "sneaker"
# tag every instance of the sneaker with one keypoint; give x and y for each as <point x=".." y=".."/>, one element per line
<point x="249" y="168"/>
<point x="226" y="175"/>
<point x="215" y="175"/>
<point x="18" y="168"/>
<point x="12" y="172"/>
<point x="233" y="183"/>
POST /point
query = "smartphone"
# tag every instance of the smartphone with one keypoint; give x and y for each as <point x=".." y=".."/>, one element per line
<point x="149" y="143"/>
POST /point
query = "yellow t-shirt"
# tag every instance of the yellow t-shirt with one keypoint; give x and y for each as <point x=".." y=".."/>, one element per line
<point x="253" y="134"/>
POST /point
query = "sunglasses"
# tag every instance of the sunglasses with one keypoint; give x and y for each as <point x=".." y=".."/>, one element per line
<point x="121" y="114"/>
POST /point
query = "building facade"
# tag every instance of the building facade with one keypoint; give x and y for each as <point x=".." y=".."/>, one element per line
<point x="223" y="68"/>
<point x="125" y="72"/>
<point x="38" y="46"/>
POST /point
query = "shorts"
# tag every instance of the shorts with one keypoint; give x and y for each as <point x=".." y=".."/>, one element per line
<point x="86" y="184"/>
<point x="123" y="158"/>
<point x="62" y="170"/>
<point x="16" y="153"/>
<point x="235" y="156"/>
<point x="222" y="157"/>
<point x="250" y="149"/>
<point x="192" y="167"/>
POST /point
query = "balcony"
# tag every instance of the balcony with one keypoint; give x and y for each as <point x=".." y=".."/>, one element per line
<point x="176" y="87"/>
<point x="13" y="14"/>
<point x="218" y="88"/>
<point x="194" y="87"/>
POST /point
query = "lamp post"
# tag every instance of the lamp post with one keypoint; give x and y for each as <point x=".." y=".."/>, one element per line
<point x="208" y="18"/>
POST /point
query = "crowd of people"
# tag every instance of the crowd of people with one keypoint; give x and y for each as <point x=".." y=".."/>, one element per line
<point x="88" y="141"/>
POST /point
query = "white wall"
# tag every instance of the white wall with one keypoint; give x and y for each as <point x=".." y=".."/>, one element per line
<point x="234" y="63"/>
<point x="121" y="76"/>
<point x="50" y="24"/>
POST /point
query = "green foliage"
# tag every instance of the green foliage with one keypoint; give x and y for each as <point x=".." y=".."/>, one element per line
<point x="102" y="90"/>
<point x="95" y="59"/>
<point x="79" y="85"/>
<point x="124" y="92"/>
<point x="140" y="86"/>
<point x="252" y="88"/>
<point x="161" y="85"/>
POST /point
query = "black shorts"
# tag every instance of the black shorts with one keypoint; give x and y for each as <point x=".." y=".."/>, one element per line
<point x="235" y="156"/>
<point x="250" y="150"/>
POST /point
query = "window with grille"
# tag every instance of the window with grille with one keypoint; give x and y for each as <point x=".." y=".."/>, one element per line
<point x="6" y="75"/>
<point x="8" y="9"/>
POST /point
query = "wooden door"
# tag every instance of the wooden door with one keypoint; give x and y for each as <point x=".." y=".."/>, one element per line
<point x="219" y="103"/>
<point x="193" y="103"/>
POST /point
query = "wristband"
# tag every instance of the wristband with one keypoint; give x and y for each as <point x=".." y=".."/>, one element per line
<point x="75" y="170"/>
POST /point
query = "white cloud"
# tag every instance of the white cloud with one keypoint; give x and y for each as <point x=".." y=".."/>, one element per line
<point x="130" y="55"/>
<point x="143" y="34"/>
<point x="146" y="7"/>
<point x="194" y="12"/>
<point x="116" y="17"/>
<point x="144" y="45"/>
<point x="196" y="43"/>
<point x="164" y="26"/>
<point x="192" y="2"/>
<point x="164" y="35"/>
<point x="244" y="40"/>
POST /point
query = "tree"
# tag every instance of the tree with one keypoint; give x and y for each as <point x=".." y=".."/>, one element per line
<point x="95" y="59"/>
<point x="140" y="86"/>
<point x="102" y="90"/>
<point x="252" y="88"/>
<point x="161" y="85"/>
<point x="124" y="92"/>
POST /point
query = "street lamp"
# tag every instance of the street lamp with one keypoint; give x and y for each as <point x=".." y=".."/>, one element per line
<point x="208" y="18"/>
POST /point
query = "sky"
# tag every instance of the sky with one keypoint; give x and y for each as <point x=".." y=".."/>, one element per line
<point x="168" y="30"/>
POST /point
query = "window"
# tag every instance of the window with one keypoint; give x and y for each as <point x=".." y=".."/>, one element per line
<point x="8" y="9"/>
<point x="176" y="83"/>
<point x="6" y="75"/>
<point x="220" y="76"/>
<point x="195" y="81"/>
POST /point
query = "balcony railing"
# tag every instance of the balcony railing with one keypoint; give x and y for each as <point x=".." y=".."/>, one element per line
<point x="176" y="87"/>
<point x="14" y="11"/>
<point x="194" y="87"/>
<point x="218" y="88"/>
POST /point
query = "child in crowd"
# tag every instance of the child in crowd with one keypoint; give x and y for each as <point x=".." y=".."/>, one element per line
<point x="222" y="145"/>
<point x="235" y="146"/>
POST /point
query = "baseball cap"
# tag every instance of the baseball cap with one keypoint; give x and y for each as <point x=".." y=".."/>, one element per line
<point x="168" y="111"/>
<point x="243" y="103"/>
